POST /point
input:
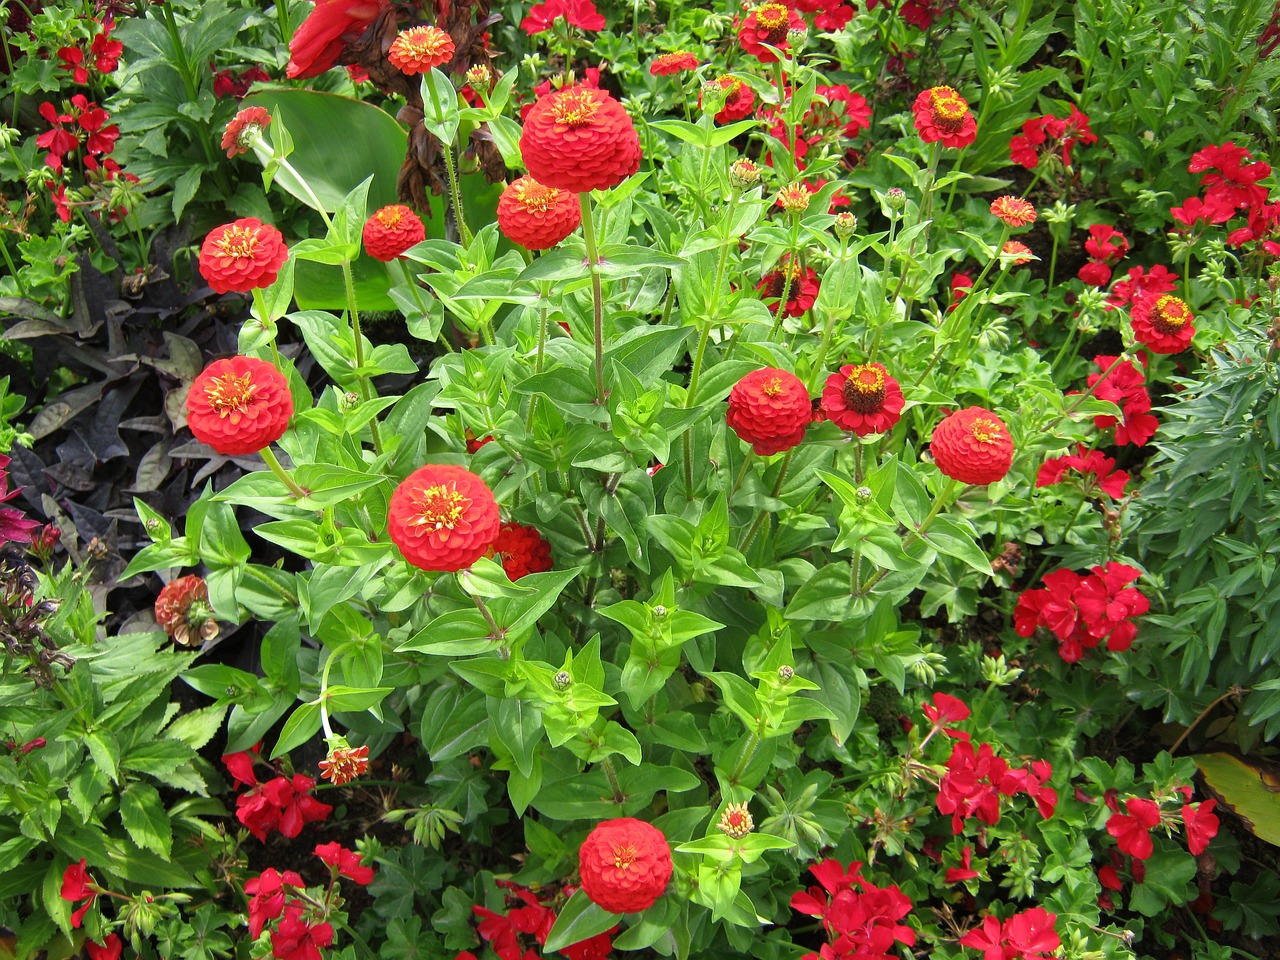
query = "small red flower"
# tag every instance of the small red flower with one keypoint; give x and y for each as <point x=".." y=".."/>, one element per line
<point x="442" y="518"/>
<point x="242" y="256"/>
<point x="76" y="885"/>
<point x="1015" y="211"/>
<point x="283" y="804"/>
<point x="625" y="865"/>
<point x="973" y="446"/>
<point x="522" y="550"/>
<point x="109" y="949"/>
<point x="1096" y="468"/>
<point x="391" y="231"/>
<point x="346" y="862"/>
<point x="268" y="893"/>
<point x="863" y="398"/>
<point x="296" y="939"/>
<point x="1019" y="251"/>
<point x="1106" y="244"/>
<point x="318" y="43"/>
<point x="1162" y="324"/>
<point x="1201" y="824"/>
<point x="239" y="405"/>
<point x="802" y="291"/>
<point x="1124" y="386"/>
<point x="535" y="216"/>
<point x="963" y="872"/>
<point x="418" y="49"/>
<point x="1132" y="829"/>
<point x="580" y="139"/>
<point x="576" y="13"/>
<point x="183" y="611"/>
<point x="344" y="763"/>
<point x="768" y="24"/>
<point x="947" y="709"/>
<point x="1095" y="273"/>
<point x="668" y="63"/>
<point x="769" y="409"/>
<point x="941" y="114"/>
<point x="1029" y="935"/>
<point x="244" y="129"/>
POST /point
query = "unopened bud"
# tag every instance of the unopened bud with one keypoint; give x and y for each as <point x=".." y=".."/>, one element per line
<point x="35" y="744"/>
<point x="736" y="821"/>
<point x="845" y="226"/>
<point x="744" y="174"/>
<point x="895" y="198"/>
<point x="659" y="612"/>
<point x="864" y="494"/>
<point x="480" y="78"/>
<point x="796" y="37"/>
<point x="785" y="673"/>
<point x="349" y="401"/>
<point x="795" y="198"/>
<point x="563" y="680"/>
<point x="713" y="97"/>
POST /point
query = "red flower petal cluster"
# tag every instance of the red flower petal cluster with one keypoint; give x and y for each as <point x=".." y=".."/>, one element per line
<point x="239" y="405"/>
<point x="802" y="291"/>
<point x="535" y="216"/>
<point x="77" y="885"/>
<point x="947" y="709"/>
<point x="863" y="398"/>
<point x="391" y="231"/>
<point x="110" y="949"/>
<point x="580" y="139"/>
<point x="973" y="446"/>
<point x="861" y="919"/>
<point x="1019" y="252"/>
<point x="1201" y="824"/>
<point x="1163" y="323"/>
<point x="183" y="612"/>
<point x="418" y="49"/>
<point x="1015" y="211"/>
<point x="504" y="931"/>
<point x="242" y="256"/>
<point x="769" y="24"/>
<point x="739" y="102"/>
<point x="243" y="129"/>
<point x="283" y="803"/>
<point x="1105" y="246"/>
<point x="104" y="51"/>
<point x="1195" y="212"/>
<point x="522" y="550"/>
<point x="1230" y="178"/>
<point x="1132" y="829"/>
<point x="1125" y="387"/>
<point x="625" y="865"/>
<point x="1042" y="135"/>
<point x="664" y="65"/>
<point x="228" y="83"/>
<point x="976" y="780"/>
<point x="442" y="518"/>
<point x="268" y="892"/>
<point x="1140" y="282"/>
<point x="1082" y="611"/>
<point x="1024" y="936"/>
<point x="769" y="409"/>
<point x="318" y="43"/>
<point x="89" y="123"/>
<point x="344" y="862"/>
<point x="941" y="114"/>
<point x="963" y="872"/>
<point x="16" y="527"/>
<point x="1096" y="468"/>
<point x="577" y="13"/>
<point x="296" y="938"/>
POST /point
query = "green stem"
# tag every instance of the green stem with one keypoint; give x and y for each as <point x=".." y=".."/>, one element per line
<point x="455" y="194"/>
<point x="763" y="515"/>
<point x="618" y="796"/>
<point x="742" y="475"/>
<point x="366" y="388"/>
<point x="703" y="337"/>
<point x="306" y="188"/>
<point x="597" y="294"/>
<point x="269" y="456"/>
<point x="919" y="532"/>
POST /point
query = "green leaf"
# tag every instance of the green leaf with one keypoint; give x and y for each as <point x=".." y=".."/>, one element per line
<point x="518" y="726"/>
<point x="579" y="920"/>
<point x="955" y="539"/>
<point x="145" y="818"/>
<point x="302" y="725"/>
<point x="1247" y="787"/>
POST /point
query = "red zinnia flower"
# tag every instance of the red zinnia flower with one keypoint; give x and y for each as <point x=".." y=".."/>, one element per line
<point x="942" y="114"/>
<point x="739" y="99"/>
<point x="668" y="63"/>
<point x="1015" y="211"/>
<point x="1162" y="324"/>
<point x="625" y="865"/>
<point x="862" y="398"/>
<point x="344" y="763"/>
<point x="769" y="409"/>
<point x="239" y="405"/>
<point x="391" y="231"/>
<point x="317" y="44"/>
<point x="535" y="216"/>
<point x="802" y="292"/>
<point x="418" y="49"/>
<point x="347" y="862"/>
<point x="769" y="24"/>
<point x="183" y="611"/>
<point x="522" y="550"/>
<point x="442" y="518"/>
<point x="242" y="256"/>
<point x="973" y="446"/>
<point x="1132" y="829"/>
<point x="1020" y="252"/>
<point x="580" y="139"/>
<point x="245" y="127"/>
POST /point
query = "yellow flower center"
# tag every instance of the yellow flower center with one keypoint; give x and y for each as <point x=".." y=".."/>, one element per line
<point x="575" y="108"/>
<point x="231" y="394"/>
<point x="949" y="108"/>
<point x="535" y="197"/>
<point x="238" y="242"/>
<point x="440" y="508"/>
<point x="390" y="217"/>
<point x="1170" y="314"/>
<point x="864" y="389"/>
<point x="772" y="387"/>
<point x="984" y="430"/>
<point x="623" y="857"/>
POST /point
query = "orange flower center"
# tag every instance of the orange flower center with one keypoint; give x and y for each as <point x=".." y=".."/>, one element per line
<point x="1170" y="314"/>
<point x="231" y="394"/>
<point x="864" y="390"/>
<point x="422" y="42"/>
<point x="575" y="108"/>
<point x="390" y="217"/>
<point x="238" y="242"/>
<point x="440" y="507"/>
<point x="949" y="108"/>
<point x="535" y="197"/>
<point x="736" y="819"/>
<point x="771" y="16"/>
<point x="773" y="387"/>
<point x="984" y="430"/>
<point x="623" y="857"/>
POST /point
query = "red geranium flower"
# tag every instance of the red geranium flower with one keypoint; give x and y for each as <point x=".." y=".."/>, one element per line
<point x="668" y="63"/>
<point x="1095" y="273"/>
<point x="769" y="24"/>
<point x="245" y="127"/>
<point x="580" y="139"/>
<point x="1132" y="829"/>
<point x="941" y="114"/>
<point x="535" y="216"/>
<point x="1024" y="936"/>
<point x="442" y="518"/>
<point x="418" y="49"/>
<point x="1201" y="824"/>
<point x="963" y="872"/>
<point x="863" y="398"/>
<point x="625" y="865"/>
<point x="947" y="709"/>
<point x="239" y="405"/>
<point x="76" y="885"/>
<point x="522" y="550"/>
<point x="1162" y="323"/>
<point x="283" y="804"/>
<point x="973" y="446"/>
<point x="1195" y="212"/>
<point x="769" y="409"/>
<point x="1106" y="244"/>
<point x="346" y="862"/>
<point x="577" y="13"/>
<point x="242" y="256"/>
<point x="109" y="949"/>
<point x="391" y="231"/>
<point x="296" y="939"/>
<point x="317" y="44"/>
<point x="268" y="893"/>
<point x="1124" y="386"/>
<point x="1097" y="469"/>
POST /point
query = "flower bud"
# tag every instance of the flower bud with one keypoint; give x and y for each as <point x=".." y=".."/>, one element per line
<point x="845" y="226"/>
<point x="563" y="680"/>
<point x="795" y="198"/>
<point x="864" y="494"/>
<point x="796" y="38"/>
<point x="744" y="174"/>
<point x="349" y="401"/>
<point x="713" y="97"/>
<point x="736" y="821"/>
<point x="895" y="198"/>
<point x="659" y="612"/>
<point x="480" y="78"/>
<point x="785" y="673"/>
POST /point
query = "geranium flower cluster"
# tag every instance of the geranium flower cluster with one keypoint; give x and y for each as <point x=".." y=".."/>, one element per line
<point x="1132" y="827"/>
<point x="1106" y="246"/>
<point x="1048" y="134"/>
<point x="1084" y="610"/>
<point x="15" y="526"/>
<point x="860" y="918"/>
<point x="230" y="83"/>
<point x="301" y="928"/>
<point x="508" y="932"/>
<point x="576" y="13"/>
<point x="84" y="123"/>
<point x="1125" y="386"/>
<point x="1095" y="469"/>
<point x="281" y="803"/>
<point x="975" y="780"/>
<point x="1139" y="282"/>
<point x="103" y="53"/>
<point x="1029" y="935"/>
<point x="844" y="115"/>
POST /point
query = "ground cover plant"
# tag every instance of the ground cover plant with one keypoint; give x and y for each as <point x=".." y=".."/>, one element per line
<point x="790" y="480"/>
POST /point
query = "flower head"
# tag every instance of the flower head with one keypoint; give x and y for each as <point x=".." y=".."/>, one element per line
<point x="1015" y="211"/>
<point x="345" y="862"/>
<point x="625" y="865"/>
<point x="418" y="49"/>
<point x="109" y="949"/>
<point x="668" y="63"/>
<point x="344" y="762"/>
<point x="183" y="611"/>
<point x="283" y="803"/>
<point x="973" y="446"/>
<point x="242" y="256"/>
<point x="77" y="885"/>
<point x="442" y="517"/>
<point x="768" y="25"/>
<point x="800" y="285"/>
<point x="576" y="13"/>
<point x="1162" y="324"/>
<point x="794" y="198"/>
<point x="1132" y="829"/>
<point x="318" y="43"/>
<point x="295" y="938"/>
<point x="535" y="216"/>
<point x="1017" y="252"/>
<point x="863" y="398"/>
<point x="769" y="409"/>
<point x="522" y="550"/>
<point x="941" y="114"/>
<point x="580" y="139"/>
<point x="735" y="821"/>
<point x="1201" y="824"/>
<point x="391" y="231"/>
<point x="239" y="405"/>
<point x="1096" y="468"/>
<point x="1125" y="387"/>
<point x="244" y="130"/>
